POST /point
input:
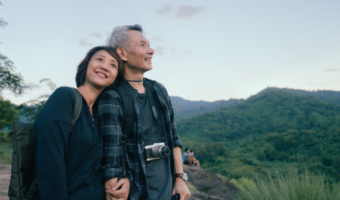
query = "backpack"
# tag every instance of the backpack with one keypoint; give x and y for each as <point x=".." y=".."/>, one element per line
<point x="128" y="105"/>
<point x="22" y="186"/>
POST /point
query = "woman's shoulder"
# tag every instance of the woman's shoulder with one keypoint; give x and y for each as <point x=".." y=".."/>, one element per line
<point x="66" y="92"/>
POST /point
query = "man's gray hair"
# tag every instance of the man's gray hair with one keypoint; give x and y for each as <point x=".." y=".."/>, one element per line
<point x="119" y="36"/>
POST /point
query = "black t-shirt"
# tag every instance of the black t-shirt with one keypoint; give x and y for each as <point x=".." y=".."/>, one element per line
<point x="158" y="172"/>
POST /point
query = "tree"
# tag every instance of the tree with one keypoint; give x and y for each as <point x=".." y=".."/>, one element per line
<point x="8" y="78"/>
<point x="8" y="113"/>
<point x="3" y="23"/>
<point x="11" y="81"/>
<point x="32" y="108"/>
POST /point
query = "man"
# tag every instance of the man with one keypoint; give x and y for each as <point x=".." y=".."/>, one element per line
<point x="153" y="124"/>
<point x="187" y="159"/>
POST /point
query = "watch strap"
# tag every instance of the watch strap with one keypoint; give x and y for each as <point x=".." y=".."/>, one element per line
<point x="179" y="175"/>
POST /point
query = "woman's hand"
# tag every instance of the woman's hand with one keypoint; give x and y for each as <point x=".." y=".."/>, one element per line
<point x="117" y="190"/>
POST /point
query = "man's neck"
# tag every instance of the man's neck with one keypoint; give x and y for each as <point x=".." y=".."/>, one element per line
<point x="131" y="76"/>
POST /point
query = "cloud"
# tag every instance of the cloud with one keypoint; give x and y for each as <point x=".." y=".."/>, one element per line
<point x="33" y="85"/>
<point x="96" y="35"/>
<point x="156" y="39"/>
<point x="165" y="9"/>
<point x="187" y="12"/>
<point x="83" y="42"/>
<point x="331" y="70"/>
<point x="181" y="12"/>
<point x="159" y="50"/>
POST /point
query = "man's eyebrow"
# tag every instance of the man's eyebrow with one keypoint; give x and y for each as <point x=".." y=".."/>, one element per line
<point x="145" y="41"/>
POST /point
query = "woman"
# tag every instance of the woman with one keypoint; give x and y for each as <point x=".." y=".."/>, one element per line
<point x="67" y="164"/>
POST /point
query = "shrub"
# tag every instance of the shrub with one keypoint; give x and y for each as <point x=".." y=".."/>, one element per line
<point x="288" y="186"/>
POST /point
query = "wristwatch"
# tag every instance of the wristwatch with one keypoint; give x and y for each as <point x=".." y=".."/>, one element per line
<point x="183" y="176"/>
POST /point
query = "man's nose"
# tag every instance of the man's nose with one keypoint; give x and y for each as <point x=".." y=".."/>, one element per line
<point x="151" y="51"/>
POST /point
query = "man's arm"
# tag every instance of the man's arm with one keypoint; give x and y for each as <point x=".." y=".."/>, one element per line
<point x="180" y="185"/>
<point x="110" y="123"/>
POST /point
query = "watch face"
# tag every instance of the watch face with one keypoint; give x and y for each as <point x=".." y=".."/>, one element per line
<point x="185" y="176"/>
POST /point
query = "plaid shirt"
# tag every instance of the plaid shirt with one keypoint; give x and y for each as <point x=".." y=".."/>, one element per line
<point x="110" y="124"/>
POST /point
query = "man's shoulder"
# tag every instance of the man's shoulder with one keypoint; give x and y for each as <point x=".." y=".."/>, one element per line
<point x="155" y="83"/>
<point x="160" y="88"/>
<point x="110" y="95"/>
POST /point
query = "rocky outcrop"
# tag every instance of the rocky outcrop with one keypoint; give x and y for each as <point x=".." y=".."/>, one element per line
<point x="208" y="186"/>
<point x="205" y="185"/>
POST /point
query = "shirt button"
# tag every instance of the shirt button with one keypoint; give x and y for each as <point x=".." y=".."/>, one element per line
<point x="162" y="138"/>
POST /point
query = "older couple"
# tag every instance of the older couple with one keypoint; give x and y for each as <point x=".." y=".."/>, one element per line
<point x="87" y="161"/>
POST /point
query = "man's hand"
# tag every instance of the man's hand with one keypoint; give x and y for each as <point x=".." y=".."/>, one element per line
<point x="117" y="190"/>
<point x="181" y="189"/>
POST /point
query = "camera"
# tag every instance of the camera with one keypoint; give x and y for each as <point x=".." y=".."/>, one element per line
<point x="156" y="151"/>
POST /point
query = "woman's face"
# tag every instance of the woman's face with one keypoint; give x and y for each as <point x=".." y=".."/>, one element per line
<point x="102" y="69"/>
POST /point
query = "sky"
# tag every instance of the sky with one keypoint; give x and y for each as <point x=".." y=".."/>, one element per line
<point x="204" y="50"/>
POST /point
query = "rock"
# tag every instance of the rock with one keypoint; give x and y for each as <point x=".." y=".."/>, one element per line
<point x="5" y="175"/>
<point x="208" y="186"/>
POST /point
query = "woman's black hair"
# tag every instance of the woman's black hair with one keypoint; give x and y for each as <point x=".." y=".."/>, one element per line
<point x="82" y="67"/>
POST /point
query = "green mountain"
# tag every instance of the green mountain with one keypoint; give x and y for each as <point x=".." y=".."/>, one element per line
<point x="185" y="108"/>
<point x="324" y="95"/>
<point x="270" y="131"/>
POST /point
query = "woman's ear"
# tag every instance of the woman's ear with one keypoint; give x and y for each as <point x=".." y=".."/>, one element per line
<point x="122" y="53"/>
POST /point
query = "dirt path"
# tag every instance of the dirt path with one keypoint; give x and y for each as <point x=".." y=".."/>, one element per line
<point x="5" y="174"/>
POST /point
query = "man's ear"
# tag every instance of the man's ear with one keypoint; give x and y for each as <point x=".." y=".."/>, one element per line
<point x="122" y="53"/>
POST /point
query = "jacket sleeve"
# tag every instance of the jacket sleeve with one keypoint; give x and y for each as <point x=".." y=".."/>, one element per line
<point x="52" y="129"/>
<point x="110" y="126"/>
<point x="177" y="141"/>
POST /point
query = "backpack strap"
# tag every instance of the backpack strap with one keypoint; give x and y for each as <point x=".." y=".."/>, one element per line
<point x="33" y="189"/>
<point x="77" y="106"/>
<point x="127" y="101"/>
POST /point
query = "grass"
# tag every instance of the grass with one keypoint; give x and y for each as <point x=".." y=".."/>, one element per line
<point x="6" y="150"/>
<point x="191" y="187"/>
<point x="288" y="186"/>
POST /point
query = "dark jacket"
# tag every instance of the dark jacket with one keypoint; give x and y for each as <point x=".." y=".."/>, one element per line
<point x="67" y="165"/>
<point x="110" y="123"/>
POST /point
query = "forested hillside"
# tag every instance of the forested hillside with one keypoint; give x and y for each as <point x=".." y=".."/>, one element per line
<point x="185" y="108"/>
<point x="329" y="96"/>
<point x="268" y="132"/>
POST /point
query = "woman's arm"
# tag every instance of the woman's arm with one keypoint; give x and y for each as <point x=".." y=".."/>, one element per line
<point x="51" y="136"/>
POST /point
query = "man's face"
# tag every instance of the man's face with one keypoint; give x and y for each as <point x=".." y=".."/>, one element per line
<point x="188" y="151"/>
<point x="139" y="56"/>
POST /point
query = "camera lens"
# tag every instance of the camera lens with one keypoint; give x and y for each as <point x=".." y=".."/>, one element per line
<point x="165" y="151"/>
<point x="160" y="151"/>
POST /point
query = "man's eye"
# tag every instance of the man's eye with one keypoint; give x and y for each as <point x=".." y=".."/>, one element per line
<point x="142" y="45"/>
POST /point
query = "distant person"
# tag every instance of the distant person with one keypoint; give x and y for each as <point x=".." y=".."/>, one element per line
<point x="195" y="161"/>
<point x="187" y="158"/>
<point x="67" y="165"/>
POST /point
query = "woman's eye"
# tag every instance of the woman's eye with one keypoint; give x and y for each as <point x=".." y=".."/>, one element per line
<point x="100" y="59"/>
<point x="113" y="65"/>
